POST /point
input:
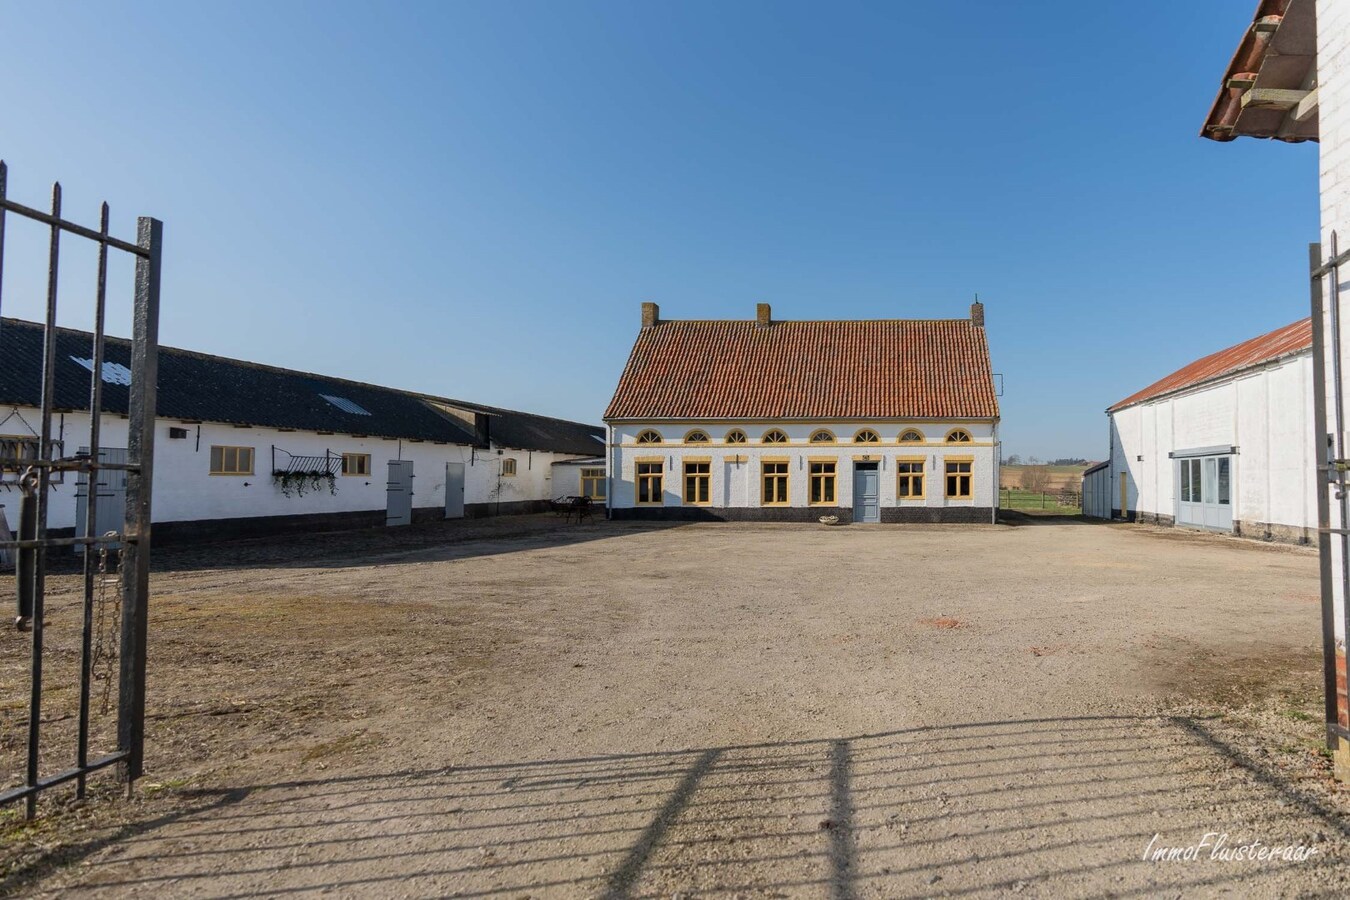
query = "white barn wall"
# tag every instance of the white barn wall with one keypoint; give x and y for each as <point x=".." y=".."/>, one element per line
<point x="736" y="485"/>
<point x="1265" y="413"/>
<point x="185" y="491"/>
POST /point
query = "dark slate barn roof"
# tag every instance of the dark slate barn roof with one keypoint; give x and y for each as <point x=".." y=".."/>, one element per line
<point x="199" y="387"/>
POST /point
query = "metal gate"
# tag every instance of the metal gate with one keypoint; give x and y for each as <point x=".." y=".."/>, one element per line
<point x="33" y="471"/>
<point x="398" y="510"/>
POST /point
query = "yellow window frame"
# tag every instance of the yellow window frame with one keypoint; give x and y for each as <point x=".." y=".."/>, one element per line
<point x="594" y="490"/>
<point x="785" y="476"/>
<point x="875" y="436"/>
<point x="911" y="479"/>
<point x="969" y="477"/>
<point x="954" y="436"/>
<point x="658" y="477"/>
<point x="509" y="467"/>
<point x="362" y="467"/>
<point x="705" y="477"/>
<point x="648" y="436"/>
<point x="832" y="477"/>
<point x="225" y="454"/>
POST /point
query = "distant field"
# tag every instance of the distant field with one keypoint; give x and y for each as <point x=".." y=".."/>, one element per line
<point x="1011" y="477"/>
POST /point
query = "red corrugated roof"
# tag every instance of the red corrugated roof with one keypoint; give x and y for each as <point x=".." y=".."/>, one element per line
<point x="1278" y="343"/>
<point x="880" y="369"/>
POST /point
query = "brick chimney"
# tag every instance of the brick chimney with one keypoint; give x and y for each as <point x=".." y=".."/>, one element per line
<point x="762" y="315"/>
<point x="977" y="314"/>
<point x="651" y="314"/>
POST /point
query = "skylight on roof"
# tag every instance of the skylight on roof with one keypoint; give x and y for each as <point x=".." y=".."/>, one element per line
<point x="346" y="405"/>
<point x="113" y="373"/>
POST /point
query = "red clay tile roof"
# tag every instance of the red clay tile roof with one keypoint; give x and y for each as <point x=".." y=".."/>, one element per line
<point x="887" y="369"/>
<point x="1280" y="342"/>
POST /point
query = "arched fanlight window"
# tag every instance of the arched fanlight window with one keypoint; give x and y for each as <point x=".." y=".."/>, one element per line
<point x="735" y="436"/>
<point x="958" y="436"/>
<point x="823" y="436"/>
<point x="696" y="437"/>
<point x="775" y="436"/>
<point x="867" y="436"/>
<point x="649" y="437"/>
<point x="911" y="435"/>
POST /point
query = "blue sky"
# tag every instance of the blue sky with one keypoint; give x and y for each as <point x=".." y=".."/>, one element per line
<point x="473" y="199"/>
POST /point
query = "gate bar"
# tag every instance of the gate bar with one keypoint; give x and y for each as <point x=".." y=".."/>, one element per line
<point x="60" y="778"/>
<point x="61" y="224"/>
<point x="43" y="499"/>
<point x="91" y="503"/>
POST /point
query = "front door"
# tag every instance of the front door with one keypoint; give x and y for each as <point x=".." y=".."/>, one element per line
<point x="866" y="493"/>
<point x="454" y="490"/>
<point x="398" y="510"/>
<point x="112" y="495"/>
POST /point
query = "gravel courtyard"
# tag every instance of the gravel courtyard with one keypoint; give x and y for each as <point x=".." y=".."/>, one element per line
<point x="535" y="709"/>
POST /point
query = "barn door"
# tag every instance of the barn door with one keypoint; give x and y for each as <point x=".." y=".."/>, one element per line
<point x="398" y="510"/>
<point x="454" y="490"/>
<point x="111" y="486"/>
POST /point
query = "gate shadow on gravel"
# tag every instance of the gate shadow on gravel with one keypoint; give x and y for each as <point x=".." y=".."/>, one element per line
<point x="1060" y="806"/>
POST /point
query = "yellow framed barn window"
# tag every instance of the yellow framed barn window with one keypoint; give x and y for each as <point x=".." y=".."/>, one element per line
<point x="867" y="436"/>
<point x="958" y="436"/>
<point x="823" y="436"/>
<point x="696" y="436"/>
<point x="508" y="467"/>
<point x="823" y="482"/>
<point x="231" y="460"/>
<point x="909" y="473"/>
<point x="593" y="483"/>
<point x="649" y="437"/>
<point x="649" y="482"/>
<point x="735" y="436"/>
<point x="775" y="436"/>
<point x="911" y="436"/>
<point x="356" y="464"/>
<point x="774" y="482"/>
<point x="698" y="483"/>
<point x="958" y="478"/>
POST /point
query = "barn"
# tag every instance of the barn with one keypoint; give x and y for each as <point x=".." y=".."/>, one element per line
<point x="247" y="449"/>
<point x="892" y="420"/>
<point x="1222" y="444"/>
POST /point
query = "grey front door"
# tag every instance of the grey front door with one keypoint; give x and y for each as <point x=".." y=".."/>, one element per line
<point x="866" y="493"/>
<point x="400" y="492"/>
<point x="112" y="495"/>
<point x="454" y="490"/>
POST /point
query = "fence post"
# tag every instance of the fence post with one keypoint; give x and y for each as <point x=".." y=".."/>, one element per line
<point x="136" y="542"/>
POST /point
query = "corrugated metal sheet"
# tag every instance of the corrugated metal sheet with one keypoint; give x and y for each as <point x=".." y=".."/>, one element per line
<point x="1280" y="342"/>
<point x="878" y="369"/>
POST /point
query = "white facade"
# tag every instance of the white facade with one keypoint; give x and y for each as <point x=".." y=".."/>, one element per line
<point x="186" y="491"/>
<point x="1259" y="420"/>
<point x="736" y="470"/>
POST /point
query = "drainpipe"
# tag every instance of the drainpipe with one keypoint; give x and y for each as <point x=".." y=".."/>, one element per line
<point x="609" y="469"/>
<point x="998" y="471"/>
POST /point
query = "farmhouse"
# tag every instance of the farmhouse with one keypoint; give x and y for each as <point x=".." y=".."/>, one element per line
<point x="1224" y="444"/>
<point x="243" y="448"/>
<point x="871" y="421"/>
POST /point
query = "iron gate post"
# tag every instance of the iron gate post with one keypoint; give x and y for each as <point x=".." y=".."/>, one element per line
<point x="1322" y="450"/>
<point x="140" y="478"/>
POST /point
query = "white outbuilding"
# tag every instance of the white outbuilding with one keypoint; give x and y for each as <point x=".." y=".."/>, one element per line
<point x="1222" y="444"/>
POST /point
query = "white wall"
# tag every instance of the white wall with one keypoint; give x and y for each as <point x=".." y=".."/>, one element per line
<point x="1266" y="414"/>
<point x="1333" y="123"/>
<point x="184" y="489"/>
<point x="737" y="484"/>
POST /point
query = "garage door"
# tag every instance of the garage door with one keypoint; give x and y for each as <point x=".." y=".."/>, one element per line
<point x="1205" y="490"/>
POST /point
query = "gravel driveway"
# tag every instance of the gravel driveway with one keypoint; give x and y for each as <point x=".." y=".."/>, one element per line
<point x="742" y="710"/>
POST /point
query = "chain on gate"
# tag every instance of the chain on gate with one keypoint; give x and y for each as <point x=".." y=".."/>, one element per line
<point x="107" y="623"/>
